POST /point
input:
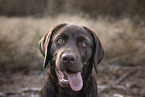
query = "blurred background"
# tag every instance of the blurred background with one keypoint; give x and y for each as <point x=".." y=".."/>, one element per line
<point x="120" y="25"/>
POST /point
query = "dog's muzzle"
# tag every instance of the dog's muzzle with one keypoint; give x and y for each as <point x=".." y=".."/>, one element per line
<point x="68" y="70"/>
<point x="73" y="80"/>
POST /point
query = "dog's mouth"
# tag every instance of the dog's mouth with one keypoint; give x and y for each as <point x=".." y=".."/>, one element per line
<point x="69" y="79"/>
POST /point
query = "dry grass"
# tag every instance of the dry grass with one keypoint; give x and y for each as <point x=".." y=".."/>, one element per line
<point x="93" y="7"/>
<point x="19" y="37"/>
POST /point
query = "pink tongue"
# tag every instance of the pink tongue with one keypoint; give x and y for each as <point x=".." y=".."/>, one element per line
<point x="75" y="81"/>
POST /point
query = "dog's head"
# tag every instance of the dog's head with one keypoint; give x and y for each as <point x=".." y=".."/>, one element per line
<point x="73" y="49"/>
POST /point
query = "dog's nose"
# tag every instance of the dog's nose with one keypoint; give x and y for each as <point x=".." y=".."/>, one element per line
<point x="69" y="58"/>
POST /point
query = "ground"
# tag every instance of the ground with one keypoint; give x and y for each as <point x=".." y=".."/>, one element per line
<point x="113" y="81"/>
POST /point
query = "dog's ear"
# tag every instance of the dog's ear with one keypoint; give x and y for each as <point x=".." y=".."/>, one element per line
<point x="98" y="51"/>
<point x="45" y="44"/>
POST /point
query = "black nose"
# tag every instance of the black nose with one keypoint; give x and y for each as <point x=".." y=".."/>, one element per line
<point x="69" y="58"/>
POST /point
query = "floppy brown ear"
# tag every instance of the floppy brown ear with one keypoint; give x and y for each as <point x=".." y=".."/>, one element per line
<point x="98" y="51"/>
<point x="45" y="44"/>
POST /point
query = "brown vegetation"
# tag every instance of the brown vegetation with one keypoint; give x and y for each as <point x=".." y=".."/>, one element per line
<point x="93" y="7"/>
<point x="121" y="39"/>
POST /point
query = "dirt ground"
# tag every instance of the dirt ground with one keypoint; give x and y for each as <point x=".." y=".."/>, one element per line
<point x="113" y="81"/>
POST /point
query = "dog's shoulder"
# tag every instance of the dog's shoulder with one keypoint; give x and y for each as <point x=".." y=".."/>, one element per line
<point x="49" y="87"/>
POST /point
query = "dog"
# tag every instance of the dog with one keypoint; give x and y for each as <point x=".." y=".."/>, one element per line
<point x="70" y="51"/>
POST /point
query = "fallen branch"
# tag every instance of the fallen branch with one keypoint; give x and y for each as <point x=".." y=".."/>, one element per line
<point x="115" y="84"/>
<point x="124" y="76"/>
<point x="30" y="89"/>
<point x="22" y="90"/>
<point x="107" y="88"/>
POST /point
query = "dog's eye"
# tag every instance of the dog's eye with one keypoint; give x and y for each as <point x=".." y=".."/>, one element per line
<point x="83" y="43"/>
<point x="60" y="40"/>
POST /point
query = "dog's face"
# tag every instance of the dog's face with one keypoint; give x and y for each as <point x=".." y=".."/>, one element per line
<point x="71" y="48"/>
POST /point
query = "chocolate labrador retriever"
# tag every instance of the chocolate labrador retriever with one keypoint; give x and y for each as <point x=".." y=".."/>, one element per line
<point x="71" y="51"/>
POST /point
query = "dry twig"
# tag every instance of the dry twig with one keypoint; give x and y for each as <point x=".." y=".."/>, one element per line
<point x="22" y="90"/>
<point x="115" y="84"/>
<point x="124" y="76"/>
<point x="29" y="89"/>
